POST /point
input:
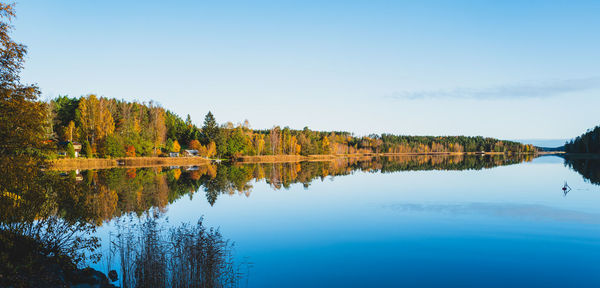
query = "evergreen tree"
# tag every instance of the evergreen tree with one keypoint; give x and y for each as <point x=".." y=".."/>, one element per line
<point x="70" y="150"/>
<point x="589" y="142"/>
<point x="87" y="149"/>
<point x="210" y="130"/>
<point x="113" y="147"/>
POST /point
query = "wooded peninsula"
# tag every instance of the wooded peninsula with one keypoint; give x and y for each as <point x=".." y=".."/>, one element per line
<point x="98" y="127"/>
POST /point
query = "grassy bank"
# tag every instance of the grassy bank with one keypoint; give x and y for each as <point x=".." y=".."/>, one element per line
<point x="132" y="162"/>
<point x="296" y="158"/>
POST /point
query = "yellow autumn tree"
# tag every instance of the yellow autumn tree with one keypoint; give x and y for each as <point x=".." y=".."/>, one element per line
<point x="211" y="149"/>
<point x="95" y="119"/>
<point x="176" y="147"/>
<point x="105" y="124"/>
<point x="325" y="146"/>
<point x="159" y="130"/>
<point x="70" y="132"/>
<point x="202" y="150"/>
<point x="294" y="146"/>
<point x="259" y="143"/>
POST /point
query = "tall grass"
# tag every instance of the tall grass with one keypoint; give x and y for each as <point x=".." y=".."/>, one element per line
<point x="130" y="162"/>
<point x="185" y="256"/>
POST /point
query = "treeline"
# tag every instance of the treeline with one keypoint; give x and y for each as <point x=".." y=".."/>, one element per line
<point x="117" y="128"/>
<point x="589" y="142"/>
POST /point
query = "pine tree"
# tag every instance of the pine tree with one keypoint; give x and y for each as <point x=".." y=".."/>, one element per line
<point x="210" y="128"/>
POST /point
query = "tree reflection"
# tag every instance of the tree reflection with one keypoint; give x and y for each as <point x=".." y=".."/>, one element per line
<point x="114" y="192"/>
<point x="47" y="219"/>
<point x="53" y="214"/>
<point x="587" y="166"/>
<point x="44" y="225"/>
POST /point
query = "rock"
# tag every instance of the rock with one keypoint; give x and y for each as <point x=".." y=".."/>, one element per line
<point x="89" y="277"/>
<point x="112" y="274"/>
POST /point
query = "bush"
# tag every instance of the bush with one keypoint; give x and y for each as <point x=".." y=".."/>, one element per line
<point x="70" y="150"/>
<point x="113" y="147"/>
<point x="87" y="149"/>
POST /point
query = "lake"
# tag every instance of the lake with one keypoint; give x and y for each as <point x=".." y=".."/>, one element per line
<point x="413" y="221"/>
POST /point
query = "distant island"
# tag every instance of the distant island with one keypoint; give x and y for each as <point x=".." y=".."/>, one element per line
<point x="98" y="127"/>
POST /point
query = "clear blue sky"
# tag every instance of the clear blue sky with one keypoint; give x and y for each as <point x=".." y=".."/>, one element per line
<point x="508" y="69"/>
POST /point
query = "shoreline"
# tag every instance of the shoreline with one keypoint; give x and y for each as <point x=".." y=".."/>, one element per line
<point x="139" y="162"/>
<point x="129" y="162"/>
<point x="330" y="157"/>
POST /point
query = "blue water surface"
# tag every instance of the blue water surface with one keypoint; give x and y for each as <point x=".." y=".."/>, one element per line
<point x="508" y="226"/>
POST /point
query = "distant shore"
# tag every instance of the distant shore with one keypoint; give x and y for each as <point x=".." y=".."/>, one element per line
<point x="300" y="158"/>
<point x="139" y="162"/>
<point x="550" y="152"/>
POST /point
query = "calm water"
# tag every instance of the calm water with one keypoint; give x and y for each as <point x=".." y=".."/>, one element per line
<point x="418" y="222"/>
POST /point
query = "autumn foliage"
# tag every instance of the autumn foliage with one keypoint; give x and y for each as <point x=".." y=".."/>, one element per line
<point x="130" y="151"/>
<point x="176" y="147"/>
<point x="149" y="130"/>
<point x="194" y="144"/>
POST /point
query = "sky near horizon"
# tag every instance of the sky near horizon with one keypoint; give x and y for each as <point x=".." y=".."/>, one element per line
<point x="505" y="69"/>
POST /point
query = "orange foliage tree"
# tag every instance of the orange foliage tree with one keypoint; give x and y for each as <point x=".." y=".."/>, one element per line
<point x="194" y="145"/>
<point x="130" y="151"/>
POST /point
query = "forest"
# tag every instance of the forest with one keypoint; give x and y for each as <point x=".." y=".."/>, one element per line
<point x="110" y="128"/>
<point x="588" y="143"/>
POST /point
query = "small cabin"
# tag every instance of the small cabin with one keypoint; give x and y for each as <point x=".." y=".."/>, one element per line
<point x="77" y="146"/>
<point x="173" y="154"/>
<point x="191" y="153"/>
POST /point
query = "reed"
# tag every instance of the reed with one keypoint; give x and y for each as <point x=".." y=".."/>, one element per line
<point x="185" y="256"/>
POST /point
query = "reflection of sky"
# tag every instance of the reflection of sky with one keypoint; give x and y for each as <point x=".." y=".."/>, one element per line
<point x="509" y="210"/>
<point x="511" y="224"/>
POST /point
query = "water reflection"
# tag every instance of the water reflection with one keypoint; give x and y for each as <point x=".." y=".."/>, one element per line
<point x="48" y="219"/>
<point x="44" y="226"/>
<point x="111" y="193"/>
<point x="587" y="166"/>
<point x="505" y="210"/>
